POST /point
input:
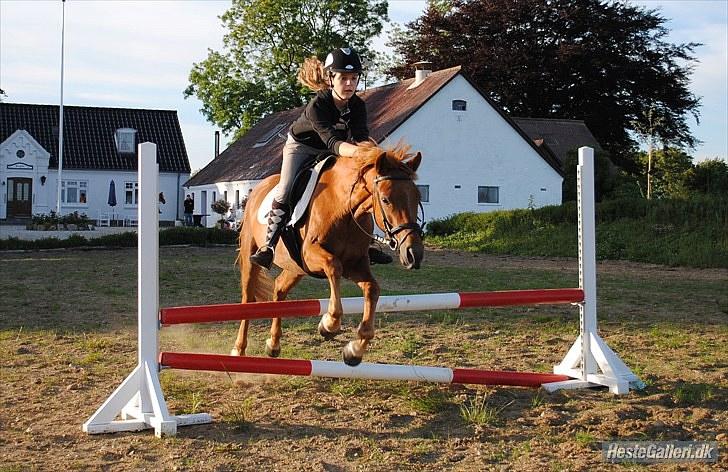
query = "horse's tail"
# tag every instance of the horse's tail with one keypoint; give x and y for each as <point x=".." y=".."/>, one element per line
<point x="255" y="282"/>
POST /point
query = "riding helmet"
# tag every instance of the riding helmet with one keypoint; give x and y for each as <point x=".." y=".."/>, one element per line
<point x="343" y="60"/>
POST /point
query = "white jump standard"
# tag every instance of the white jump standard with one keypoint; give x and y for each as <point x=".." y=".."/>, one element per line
<point x="139" y="400"/>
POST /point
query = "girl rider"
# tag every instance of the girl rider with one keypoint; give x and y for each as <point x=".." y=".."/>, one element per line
<point x="335" y="119"/>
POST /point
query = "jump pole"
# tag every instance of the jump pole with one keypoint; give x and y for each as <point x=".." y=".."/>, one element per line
<point x="350" y="305"/>
<point x="365" y="370"/>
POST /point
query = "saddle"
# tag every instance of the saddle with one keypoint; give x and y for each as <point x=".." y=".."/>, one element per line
<point x="299" y="201"/>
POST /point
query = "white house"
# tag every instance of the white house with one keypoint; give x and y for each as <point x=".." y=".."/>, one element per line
<point x="100" y="147"/>
<point x="475" y="157"/>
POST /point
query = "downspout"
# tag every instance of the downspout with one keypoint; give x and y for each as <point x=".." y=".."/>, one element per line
<point x="176" y="203"/>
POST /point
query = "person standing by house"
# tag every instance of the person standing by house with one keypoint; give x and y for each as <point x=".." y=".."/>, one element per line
<point x="189" y="205"/>
<point x="335" y="120"/>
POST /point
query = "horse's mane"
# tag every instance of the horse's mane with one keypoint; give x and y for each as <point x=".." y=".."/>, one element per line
<point x="397" y="156"/>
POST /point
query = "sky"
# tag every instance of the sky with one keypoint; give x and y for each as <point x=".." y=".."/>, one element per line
<point x="138" y="54"/>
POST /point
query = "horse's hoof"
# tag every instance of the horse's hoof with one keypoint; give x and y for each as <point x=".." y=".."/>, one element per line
<point x="270" y="352"/>
<point x="327" y="335"/>
<point x="350" y="358"/>
<point x="234" y="352"/>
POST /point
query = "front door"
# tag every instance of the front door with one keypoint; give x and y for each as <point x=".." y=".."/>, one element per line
<point x="20" y="197"/>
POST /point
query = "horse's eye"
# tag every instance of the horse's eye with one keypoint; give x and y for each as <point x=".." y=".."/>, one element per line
<point x="386" y="201"/>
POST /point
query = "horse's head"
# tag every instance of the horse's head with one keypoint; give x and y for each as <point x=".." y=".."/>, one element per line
<point x="395" y="203"/>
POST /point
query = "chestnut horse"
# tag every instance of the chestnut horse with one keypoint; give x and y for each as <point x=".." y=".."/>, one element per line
<point x="336" y="235"/>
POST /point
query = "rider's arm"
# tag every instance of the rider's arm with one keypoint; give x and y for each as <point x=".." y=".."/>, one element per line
<point x="347" y="149"/>
<point x="321" y="115"/>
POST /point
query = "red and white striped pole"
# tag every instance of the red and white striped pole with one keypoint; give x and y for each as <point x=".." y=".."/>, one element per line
<point x="365" y="370"/>
<point x="390" y="303"/>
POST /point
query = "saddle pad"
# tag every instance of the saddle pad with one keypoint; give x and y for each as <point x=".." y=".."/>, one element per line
<point x="302" y="205"/>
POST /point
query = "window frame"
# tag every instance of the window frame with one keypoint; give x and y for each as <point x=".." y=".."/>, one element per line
<point x="458" y="102"/>
<point x="486" y="188"/>
<point x="80" y="186"/>
<point x="134" y="191"/>
<point x="122" y="136"/>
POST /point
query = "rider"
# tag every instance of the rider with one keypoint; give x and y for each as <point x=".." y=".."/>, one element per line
<point x="333" y="120"/>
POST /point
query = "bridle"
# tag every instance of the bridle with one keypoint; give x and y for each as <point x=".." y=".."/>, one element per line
<point x="390" y="232"/>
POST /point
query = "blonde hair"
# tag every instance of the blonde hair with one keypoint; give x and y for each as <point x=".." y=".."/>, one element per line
<point x="312" y="74"/>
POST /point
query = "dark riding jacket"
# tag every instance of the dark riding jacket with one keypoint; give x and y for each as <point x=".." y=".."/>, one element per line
<point x="323" y="126"/>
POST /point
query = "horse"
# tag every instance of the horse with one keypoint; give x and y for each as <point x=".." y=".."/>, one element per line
<point x="376" y="186"/>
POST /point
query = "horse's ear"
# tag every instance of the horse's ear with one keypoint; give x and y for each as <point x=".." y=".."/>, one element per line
<point x="382" y="163"/>
<point x="415" y="162"/>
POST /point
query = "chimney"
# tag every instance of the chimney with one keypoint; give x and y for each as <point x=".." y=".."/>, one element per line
<point x="422" y="70"/>
<point x="217" y="144"/>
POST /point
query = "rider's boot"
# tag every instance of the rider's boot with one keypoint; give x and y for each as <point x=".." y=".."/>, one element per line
<point x="277" y="218"/>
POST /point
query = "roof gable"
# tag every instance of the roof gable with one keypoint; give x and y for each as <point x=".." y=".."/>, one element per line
<point x="21" y="139"/>
<point x="89" y="134"/>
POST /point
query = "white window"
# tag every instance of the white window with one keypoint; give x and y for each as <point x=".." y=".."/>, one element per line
<point x="487" y="194"/>
<point x="125" y="140"/>
<point x="74" y="191"/>
<point x="131" y="193"/>
<point x="424" y="193"/>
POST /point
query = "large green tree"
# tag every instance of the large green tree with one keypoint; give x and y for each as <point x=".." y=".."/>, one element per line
<point x="265" y="43"/>
<point x="603" y="62"/>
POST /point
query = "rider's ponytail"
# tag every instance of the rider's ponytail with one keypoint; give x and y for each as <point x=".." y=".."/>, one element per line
<point x="312" y="74"/>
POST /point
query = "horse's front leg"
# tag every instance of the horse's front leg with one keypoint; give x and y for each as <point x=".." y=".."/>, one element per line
<point x="330" y="324"/>
<point x="354" y="351"/>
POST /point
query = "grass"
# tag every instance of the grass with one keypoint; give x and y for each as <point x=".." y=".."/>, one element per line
<point x="477" y="411"/>
<point x="688" y="233"/>
<point x="585" y="438"/>
<point x="82" y="332"/>
<point x="348" y="387"/>
<point x="433" y="401"/>
<point x="692" y="394"/>
<point x="238" y="413"/>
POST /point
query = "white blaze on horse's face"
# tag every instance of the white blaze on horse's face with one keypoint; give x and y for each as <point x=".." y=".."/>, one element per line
<point x="397" y="201"/>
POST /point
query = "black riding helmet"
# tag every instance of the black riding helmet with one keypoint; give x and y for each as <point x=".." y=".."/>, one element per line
<point x="343" y="60"/>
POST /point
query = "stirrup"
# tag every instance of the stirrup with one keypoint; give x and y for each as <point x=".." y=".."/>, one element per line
<point x="263" y="257"/>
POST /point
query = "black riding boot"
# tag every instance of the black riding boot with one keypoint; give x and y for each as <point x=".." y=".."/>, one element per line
<point x="378" y="257"/>
<point x="277" y="218"/>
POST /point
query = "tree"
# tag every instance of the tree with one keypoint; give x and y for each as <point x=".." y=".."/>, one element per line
<point x="709" y="177"/>
<point x="265" y="43"/>
<point x="670" y="167"/>
<point x="221" y="207"/>
<point x="603" y="62"/>
<point x="646" y="129"/>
